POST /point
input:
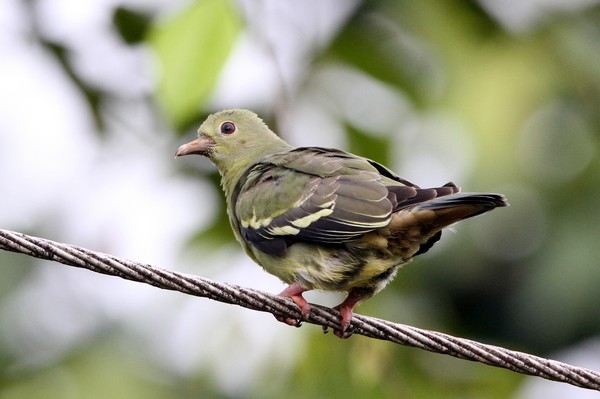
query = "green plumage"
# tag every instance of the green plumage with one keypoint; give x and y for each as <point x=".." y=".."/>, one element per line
<point x="322" y="218"/>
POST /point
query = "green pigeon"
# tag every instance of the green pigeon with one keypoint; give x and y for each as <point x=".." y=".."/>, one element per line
<point x="321" y="218"/>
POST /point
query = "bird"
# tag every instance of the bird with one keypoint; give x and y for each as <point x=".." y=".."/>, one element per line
<point x="322" y="218"/>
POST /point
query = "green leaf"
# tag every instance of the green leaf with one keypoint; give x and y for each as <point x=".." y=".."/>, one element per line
<point x="191" y="48"/>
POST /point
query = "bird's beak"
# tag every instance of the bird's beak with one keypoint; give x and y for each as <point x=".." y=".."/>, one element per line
<point x="201" y="146"/>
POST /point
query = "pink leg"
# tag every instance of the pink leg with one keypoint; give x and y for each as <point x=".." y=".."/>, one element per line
<point x="345" y="308"/>
<point x="294" y="292"/>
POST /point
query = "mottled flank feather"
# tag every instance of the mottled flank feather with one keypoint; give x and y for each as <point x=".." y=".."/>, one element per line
<point x="321" y="218"/>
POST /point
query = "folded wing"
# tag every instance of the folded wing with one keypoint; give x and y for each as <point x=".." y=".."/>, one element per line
<point x="314" y="194"/>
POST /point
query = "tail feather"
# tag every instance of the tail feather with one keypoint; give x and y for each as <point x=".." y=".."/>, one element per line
<point x="487" y="201"/>
<point x="464" y="205"/>
<point x="422" y="223"/>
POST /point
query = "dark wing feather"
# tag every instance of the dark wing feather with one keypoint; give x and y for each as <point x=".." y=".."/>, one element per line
<point x="314" y="194"/>
<point x="390" y="174"/>
<point x="422" y="195"/>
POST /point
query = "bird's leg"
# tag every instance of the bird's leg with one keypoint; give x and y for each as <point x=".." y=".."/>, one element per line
<point x="355" y="296"/>
<point x="294" y="292"/>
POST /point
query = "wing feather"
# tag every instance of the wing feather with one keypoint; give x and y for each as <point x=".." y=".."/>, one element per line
<point x="311" y="194"/>
<point x="320" y="195"/>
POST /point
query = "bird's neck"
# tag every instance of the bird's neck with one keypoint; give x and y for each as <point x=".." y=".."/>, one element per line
<point x="232" y="171"/>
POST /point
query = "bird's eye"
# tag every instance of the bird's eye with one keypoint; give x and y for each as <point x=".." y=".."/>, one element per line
<point x="227" y="127"/>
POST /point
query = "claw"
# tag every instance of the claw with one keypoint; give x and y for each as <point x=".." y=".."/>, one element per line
<point x="346" y="313"/>
<point x="289" y="321"/>
<point x="294" y="292"/>
<point x="345" y="321"/>
<point x="355" y="296"/>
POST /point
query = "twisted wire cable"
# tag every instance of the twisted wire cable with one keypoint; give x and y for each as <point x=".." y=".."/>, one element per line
<point x="284" y="308"/>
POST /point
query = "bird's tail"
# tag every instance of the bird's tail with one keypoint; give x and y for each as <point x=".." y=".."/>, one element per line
<point x="421" y="224"/>
<point x="454" y="207"/>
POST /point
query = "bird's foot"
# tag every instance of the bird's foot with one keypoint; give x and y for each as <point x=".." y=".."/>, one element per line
<point x="346" y="318"/>
<point x="294" y="292"/>
<point x="355" y="296"/>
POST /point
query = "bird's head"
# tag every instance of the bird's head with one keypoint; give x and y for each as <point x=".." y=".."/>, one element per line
<point x="230" y="134"/>
<point x="233" y="139"/>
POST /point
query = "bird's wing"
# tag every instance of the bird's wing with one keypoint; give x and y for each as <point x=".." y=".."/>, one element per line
<point x="317" y="195"/>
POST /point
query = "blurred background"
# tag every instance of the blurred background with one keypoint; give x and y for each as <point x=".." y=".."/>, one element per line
<point x="95" y="97"/>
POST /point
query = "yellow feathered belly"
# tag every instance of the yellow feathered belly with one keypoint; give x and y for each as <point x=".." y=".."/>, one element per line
<point x="332" y="268"/>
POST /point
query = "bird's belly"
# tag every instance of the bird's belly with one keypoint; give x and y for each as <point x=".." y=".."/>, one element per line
<point x="332" y="268"/>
